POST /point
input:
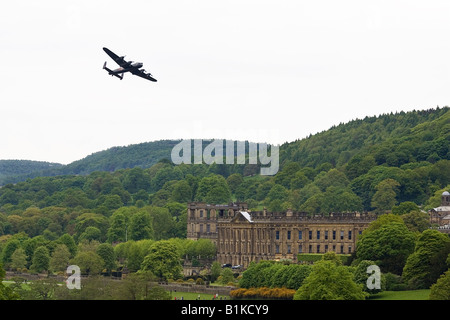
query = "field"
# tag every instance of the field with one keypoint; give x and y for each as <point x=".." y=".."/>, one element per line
<point x="402" y="295"/>
<point x="195" y="296"/>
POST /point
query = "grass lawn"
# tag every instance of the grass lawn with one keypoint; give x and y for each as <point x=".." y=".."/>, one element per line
<point x="194" y="296"/>
<point x="402" y="295"/>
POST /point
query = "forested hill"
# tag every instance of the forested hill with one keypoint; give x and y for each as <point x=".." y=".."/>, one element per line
<point x="10" y="168"/>
<point x="142" y="155"/>
<point x="394" y="139"/>
<point x="390" y="139"/>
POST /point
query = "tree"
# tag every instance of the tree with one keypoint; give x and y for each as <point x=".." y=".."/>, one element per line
<point x="163" y="261"/>
<point x="428" y="261"/>
<point x="163" y="223"/>
<point x="330" y="281"/>
<point x="385" y="196"/>
<point x="67" y="239"/>
<point x="117" y="231"/>
<point x="60" y="258"/>
<point x="41" y="259"/>
<point x="6" y="293"/>
<point x="215" y="271"/>
<point x="89" y="262"/>
<point x="405" y="207"/>
<point x="361" y="276"/>
<point x="106" y="252"/>
<point x="182" y="192"/>
<point x="213" y="189"/>
<point x="234" y="181"/>
<point x="441" y="289"/>
<point x="18" y="259"/>
<point x="90" y="233"/>
<point x="416" y="220"/>
<point x="226" y="276"/>
<point x="389" y="246"/>
<point x="141" y="226"/>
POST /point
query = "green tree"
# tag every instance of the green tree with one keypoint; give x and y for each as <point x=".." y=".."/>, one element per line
<point x="90" y="262"/>
<point x="18" y="259"/>
<point x="226" y="276"/>
<point x="182" y="192"/>
<point x="428" y="261"/>
<point x="90" y="233"/>
<point x="215" y="271"/>
<point x="106" y="252"/>
<point x="163" y="260"/>
<point x="163" y="223"/>
<point x="361" y="276"/>
<point x="141" y="226"/>
<point x="389" y="246"/>
<point x="60" y="258"/>
<point x="405" y="207"/>
<point x="41" y="259"/>
<point x="416" y="220"/>
<point x="213" y="189"/>
<point x="67" y="240"/>
<point x="385" y="196"/>
<point x="117" y="231"/>
<point x="330" y="281"/>
<point x="441" y="289"/>
<point x="6" y="293"/>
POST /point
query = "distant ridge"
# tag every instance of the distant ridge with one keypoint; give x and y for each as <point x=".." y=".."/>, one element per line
<point x="393" y="139"/>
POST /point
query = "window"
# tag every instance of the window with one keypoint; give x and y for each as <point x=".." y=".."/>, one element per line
<point x="288" y="248"/>
<point x="342" y="234"/>
<point x="349" y="249"/>
<point x="326" y="234"/>
<point x="318" y="248"/>
<point x="208" y="228"/>
<point x="342" y="249"/>
<point x="277" y="235"/>
<point x="334" y="234"/>
<point x="277" y="249"/>
<point x="310" y="248"/>
<point x="300" y="248"/>
<point x="310" y="235"/>
<point x="350" y="235"/>
<point x="300" y="235"/>
<point x="289" y="235"/>
<point x="318" y="234"/>
<point x="201" y="228"/>
<point x="326" y="248"/>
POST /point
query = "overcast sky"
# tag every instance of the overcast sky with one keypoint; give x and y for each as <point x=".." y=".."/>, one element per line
<point x="264" y="71"/>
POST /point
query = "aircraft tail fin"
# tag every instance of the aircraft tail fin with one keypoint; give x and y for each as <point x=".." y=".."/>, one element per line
<point x="112" y="73"/>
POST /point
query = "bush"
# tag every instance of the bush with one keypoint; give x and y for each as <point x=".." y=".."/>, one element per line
<point x="263" y="293"/>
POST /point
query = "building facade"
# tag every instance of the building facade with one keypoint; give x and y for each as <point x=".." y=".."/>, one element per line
<point x="242" y="236"/>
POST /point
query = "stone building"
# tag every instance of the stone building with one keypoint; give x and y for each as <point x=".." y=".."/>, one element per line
<point x="441" y="215"/>
<point x="242" y="236"/>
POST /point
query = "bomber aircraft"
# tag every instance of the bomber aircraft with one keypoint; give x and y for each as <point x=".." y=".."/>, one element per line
<point x="126" y="66"/>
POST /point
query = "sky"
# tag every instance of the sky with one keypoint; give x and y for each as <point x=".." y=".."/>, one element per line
<point x="263" y="71"/>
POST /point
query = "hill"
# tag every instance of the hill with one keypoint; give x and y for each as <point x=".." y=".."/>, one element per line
<point x="393" y="140"/>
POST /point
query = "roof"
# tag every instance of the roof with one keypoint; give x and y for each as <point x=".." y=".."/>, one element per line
<point x="445" y="193"/>
<point x="246" y="215"/>
<point x="442" y="209"/>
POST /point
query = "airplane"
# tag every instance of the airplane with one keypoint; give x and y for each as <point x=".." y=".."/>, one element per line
<point x="126" y="66"/>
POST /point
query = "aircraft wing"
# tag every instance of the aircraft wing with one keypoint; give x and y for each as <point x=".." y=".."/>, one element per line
<point x="119" y="60"/>
<point x="143" y="74"/>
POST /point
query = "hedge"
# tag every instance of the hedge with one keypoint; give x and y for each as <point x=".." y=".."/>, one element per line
<point x="263" y="293"/>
